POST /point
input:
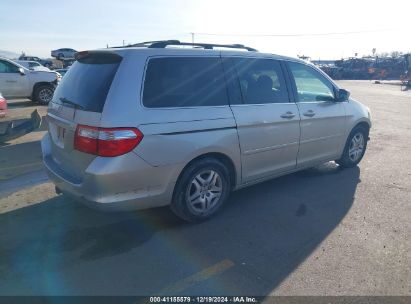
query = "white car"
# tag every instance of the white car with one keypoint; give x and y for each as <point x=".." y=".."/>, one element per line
<point x="17" y="81"/>
<point x="63" y="54"/>
<point x="33" y="65"/>
<point x="44" y="62"/>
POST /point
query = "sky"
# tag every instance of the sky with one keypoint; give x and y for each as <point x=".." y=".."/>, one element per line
<point x="319" y="29"/>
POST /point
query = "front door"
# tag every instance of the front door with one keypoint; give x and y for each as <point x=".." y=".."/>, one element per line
<point x="322" y="118"/>
<point x="267" y="122"/>
<point x="12" y="83"/>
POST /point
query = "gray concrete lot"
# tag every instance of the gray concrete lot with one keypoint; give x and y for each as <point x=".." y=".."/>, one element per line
<point x="324" y="231"/>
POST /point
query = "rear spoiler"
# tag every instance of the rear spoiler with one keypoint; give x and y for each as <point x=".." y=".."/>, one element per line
<point x="97" y="57"/>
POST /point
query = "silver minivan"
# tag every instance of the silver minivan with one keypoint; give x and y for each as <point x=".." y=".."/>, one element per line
<point x="182" y="124"/>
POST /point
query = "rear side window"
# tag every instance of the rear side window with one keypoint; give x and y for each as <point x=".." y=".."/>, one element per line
<point x="261" y="80"/>
<point x="184" y="82"/>
<point x="88" y="81"/>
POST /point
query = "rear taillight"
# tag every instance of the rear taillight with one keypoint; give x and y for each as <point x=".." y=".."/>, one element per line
<point x="106" y="141"/>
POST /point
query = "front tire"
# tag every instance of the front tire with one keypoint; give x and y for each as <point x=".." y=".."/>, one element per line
<point x="354" y="148"/>
<point x="201" y="190"/>
<point x="43" y="94"/>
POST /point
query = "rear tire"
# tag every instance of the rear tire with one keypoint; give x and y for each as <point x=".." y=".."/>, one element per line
<point x="354" y="147"/>
<point x="201" y="190"/>
<point x="43" y="94"/>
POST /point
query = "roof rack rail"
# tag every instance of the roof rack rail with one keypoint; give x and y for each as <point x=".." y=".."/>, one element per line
<point x="208" y="46"/>
<point x="144" y="44"/>
<point x="149" y="43"/>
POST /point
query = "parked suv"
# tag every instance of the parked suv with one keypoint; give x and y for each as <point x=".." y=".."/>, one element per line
<point x="18" y="82"/>
<point x="153" y="125"/>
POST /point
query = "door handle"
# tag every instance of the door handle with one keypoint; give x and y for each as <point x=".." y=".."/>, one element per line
<point x="309" y="113"/>
<point x="11" y="80"/>
<point x="288" y="115"/>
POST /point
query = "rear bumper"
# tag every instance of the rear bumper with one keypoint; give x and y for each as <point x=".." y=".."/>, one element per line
<point x="114" y="184"/>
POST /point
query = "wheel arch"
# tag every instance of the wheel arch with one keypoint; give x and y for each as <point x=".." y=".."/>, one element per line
<point x="225" y="159"/>
<point x="342" y="160"/>
<point x="38" y="84"/>
<point x="362" y="123"/>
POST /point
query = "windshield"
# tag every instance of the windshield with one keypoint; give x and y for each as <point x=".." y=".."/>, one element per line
<point x="87" y="83"/>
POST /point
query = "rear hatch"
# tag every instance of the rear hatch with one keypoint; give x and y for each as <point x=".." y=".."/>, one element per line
<point x="79" y="99"/>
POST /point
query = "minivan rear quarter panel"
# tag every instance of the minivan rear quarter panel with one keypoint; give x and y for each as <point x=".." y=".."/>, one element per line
<point x="173" y="135"/>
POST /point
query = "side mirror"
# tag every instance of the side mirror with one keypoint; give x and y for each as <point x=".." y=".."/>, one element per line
<point x="342" y="95"/>
<point x="22" y="72"/>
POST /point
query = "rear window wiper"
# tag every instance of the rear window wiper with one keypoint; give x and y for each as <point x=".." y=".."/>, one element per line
<point x="75" y="105"/>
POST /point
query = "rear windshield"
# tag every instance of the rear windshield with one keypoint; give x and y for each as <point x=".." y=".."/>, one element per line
<point x="87" y="82"/>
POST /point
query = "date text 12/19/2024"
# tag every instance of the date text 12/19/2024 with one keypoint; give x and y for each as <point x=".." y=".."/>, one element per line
<point x="203" y="299"/>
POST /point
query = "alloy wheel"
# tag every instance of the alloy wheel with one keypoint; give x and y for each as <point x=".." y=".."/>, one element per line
<point x="356" y="147"/>
<point x="204" y="191"/>
<point x="45" y="95"/>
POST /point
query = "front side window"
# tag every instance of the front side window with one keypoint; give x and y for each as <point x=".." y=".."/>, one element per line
<point x="261" y="80"/>
<point x="7" y="67"/>
<point x="310" y="84"/>
<point x="184" y="82"/>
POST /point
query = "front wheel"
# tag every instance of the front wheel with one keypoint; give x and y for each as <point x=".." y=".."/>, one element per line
<point x="354" y="148"/>
<point x="201" y="190"/>
<point x="43" y="94"/>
